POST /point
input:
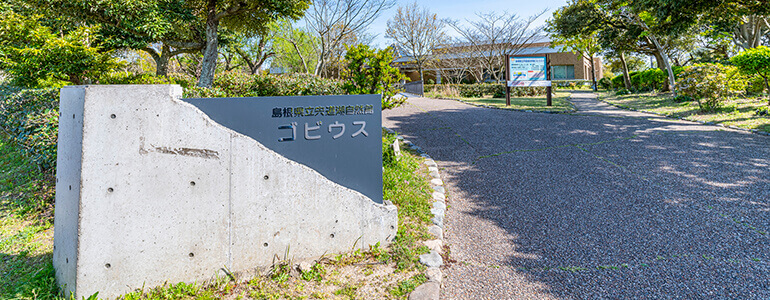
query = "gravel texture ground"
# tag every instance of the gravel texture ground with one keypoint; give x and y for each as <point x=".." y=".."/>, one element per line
<point x="600" y="204"/>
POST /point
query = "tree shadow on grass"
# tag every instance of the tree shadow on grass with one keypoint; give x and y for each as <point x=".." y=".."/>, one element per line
<point x="27" y="277"/>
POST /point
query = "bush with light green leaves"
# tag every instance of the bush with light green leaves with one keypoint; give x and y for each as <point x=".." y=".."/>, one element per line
<point x="710" y="84"/>
<point x="755" y="62"/>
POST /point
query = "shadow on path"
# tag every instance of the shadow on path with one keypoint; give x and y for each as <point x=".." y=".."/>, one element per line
<point x="596" y="206"/>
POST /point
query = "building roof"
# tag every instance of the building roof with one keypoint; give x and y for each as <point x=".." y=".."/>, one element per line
<point x="455" y="55"/>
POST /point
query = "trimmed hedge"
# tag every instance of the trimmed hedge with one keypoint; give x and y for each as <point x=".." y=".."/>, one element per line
<point x="235" y="84"/>
<point x="646" y="80"/>
<point x="129" y="78"/>
<point x="482" y="89"/>
<point x="571" y="84"/>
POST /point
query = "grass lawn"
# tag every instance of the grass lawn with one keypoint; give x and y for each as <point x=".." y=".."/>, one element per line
<point x="560" y="102"/>
<point x="26" y="239"/>
<point x="26" y="229"/>
<point x="736" y="112"/>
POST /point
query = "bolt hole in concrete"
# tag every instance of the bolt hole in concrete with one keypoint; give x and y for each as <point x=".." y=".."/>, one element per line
<point x="191" y="254"/>
<point x="192" y="183"/>
<point x="331" y="235"/>
<point x="73" y="116"/>
<point x="70" y="187"/>
<point x="265" y="244"/>
<point x="267" y="177"/>
<point x="110" y="190"/>
<point x="107" y="266"/>
<point x="112" y="116"/>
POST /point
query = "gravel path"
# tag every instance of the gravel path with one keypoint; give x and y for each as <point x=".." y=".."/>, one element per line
<point x="600" y="204"/>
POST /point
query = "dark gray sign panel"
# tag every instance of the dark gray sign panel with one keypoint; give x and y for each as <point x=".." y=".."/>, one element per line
<point x="338" y="136"/>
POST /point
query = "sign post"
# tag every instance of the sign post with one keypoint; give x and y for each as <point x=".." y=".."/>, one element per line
<point x="548" y="88"/>
<point x="528" y="71"/>
<point x="507" y="79"/>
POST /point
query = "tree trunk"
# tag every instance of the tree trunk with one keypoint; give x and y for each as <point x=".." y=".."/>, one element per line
<point x="670" y="84"/>
<point x="209" y="64"/>
<point x="161" y="64"/>
<point x="626" y="78"/>
<point x="593" y="72"/>
<point x="301" y="57"/>
<point x="321" y="60"/>
<point x="663" y="66"/>
<point x="419" y="69"/>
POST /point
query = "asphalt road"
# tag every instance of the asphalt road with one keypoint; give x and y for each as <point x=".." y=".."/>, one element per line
<point x="600" y="204"/>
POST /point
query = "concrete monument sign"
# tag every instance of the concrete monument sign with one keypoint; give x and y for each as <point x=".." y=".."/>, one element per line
<point x="150" y="190"/>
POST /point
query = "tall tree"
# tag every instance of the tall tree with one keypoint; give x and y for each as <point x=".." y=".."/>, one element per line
<point x="162" y="28"/>
<point x="332" y="21"/>
<point x="294" y="47"/>
<point x="642" y="25"/>
<point x="239" y="16"/>
<point x="493" y="35"/>
<point x="416" y="32"/>
<point x="33" y="53"/>
<point x="253" y="49"/>
<point x="585" y="43"/>
<point x="190" y="25"/>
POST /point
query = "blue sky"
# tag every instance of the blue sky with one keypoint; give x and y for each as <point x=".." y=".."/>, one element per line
<point x="466" y="9"/>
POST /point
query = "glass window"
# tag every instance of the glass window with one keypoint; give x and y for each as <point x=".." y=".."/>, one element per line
<point x="563" y="72"/>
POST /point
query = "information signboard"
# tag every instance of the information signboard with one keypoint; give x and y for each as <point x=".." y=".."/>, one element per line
<point x="338" y="136"/>
<point x="525" y="72"/>
<point x="527" y="68"/>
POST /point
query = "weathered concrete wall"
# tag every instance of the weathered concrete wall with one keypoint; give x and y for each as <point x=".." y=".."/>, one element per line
<point x="160" y="193"/>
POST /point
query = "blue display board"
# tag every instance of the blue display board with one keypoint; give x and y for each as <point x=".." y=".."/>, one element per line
<point x="528" y="68"/>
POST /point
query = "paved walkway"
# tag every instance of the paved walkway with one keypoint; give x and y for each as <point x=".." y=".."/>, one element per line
<point x="601" y="204"/>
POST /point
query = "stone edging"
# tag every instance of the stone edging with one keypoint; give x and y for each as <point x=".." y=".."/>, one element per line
<point x="683" y="119"/>
<point x="431" y="289"/>
<point x="512" y="109"/>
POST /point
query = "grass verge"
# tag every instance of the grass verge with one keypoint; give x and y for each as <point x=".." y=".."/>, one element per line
<point x="26" y="227"/>
<point x="739" y="112"/>
<point x="26" y="236"/>
<point x="560" y="102"/>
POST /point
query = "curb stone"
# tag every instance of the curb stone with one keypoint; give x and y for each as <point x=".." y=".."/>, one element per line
<point x="428" y="290"/>
<point x="754" y="131"/>
<point x="431" y="289"/>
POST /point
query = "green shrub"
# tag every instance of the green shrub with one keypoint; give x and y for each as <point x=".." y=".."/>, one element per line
<point x="129" y="78"/>
<point x="651" y="79"/>
<point x="755" y="85"/>
<point x="570" y="84"/>
<point x="682" y="98"/>
<point x="31" y="119"/>
<point x="621" y="92"/>
<point x="606" y="83"/>
<point x="709" y="84"/>
<point x="479" y="90"/>
<point x="368" y="71"/>
<point x="754" y="62"/>
<point x="237" y="84"/>
<point x="617" y="82"/>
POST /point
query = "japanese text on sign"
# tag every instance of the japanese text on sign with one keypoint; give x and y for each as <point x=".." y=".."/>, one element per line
<point x="336" y="130"/>
<point x="331" y="110"/>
